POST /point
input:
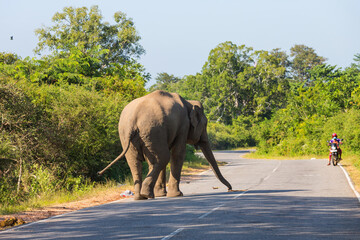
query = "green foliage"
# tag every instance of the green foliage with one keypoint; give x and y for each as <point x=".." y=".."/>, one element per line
<point x="59" y="114"/>
<point x="83" y="29"/>
<point x="237" y="81"/>
<point x="356" y="65"/>
<point x="304" y="59"/>
<point x="268" y="99"/>
<point x="239" y="134"/>
<point x="190" y="154"/>
<point x="313" y="113"/>
<point x="164" y="81"/>
<point x="8" y="58"/>
<point x="66" y="130"/>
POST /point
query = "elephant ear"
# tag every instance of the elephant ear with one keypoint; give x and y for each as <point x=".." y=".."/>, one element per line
<point x="194" y="116"/>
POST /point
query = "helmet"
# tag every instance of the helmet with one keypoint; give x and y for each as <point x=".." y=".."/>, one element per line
<point x="334" y="135"/>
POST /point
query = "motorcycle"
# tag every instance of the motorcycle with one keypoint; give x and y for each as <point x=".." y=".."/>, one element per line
<point x="334" y="153"/>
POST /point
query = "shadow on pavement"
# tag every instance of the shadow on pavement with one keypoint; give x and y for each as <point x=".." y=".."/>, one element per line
<point x="257" y="214"/>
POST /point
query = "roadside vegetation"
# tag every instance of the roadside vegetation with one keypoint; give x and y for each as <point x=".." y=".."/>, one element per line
<point x="59" y="112"/>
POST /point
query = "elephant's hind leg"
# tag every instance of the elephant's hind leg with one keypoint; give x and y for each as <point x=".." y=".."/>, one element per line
<point x="135" y="159"/>
<point x="157" y="162"/>
<point x="160" y="185"/>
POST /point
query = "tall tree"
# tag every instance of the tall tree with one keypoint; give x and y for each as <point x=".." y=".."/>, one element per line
<point x="83" y="29"/>
<point x="304" y="58"/>
<point x="87" y="51"/>
<point x="220" y="74"/>
<point x="235" y="81"/>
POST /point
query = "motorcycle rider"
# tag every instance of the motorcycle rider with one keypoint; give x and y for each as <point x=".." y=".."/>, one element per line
<point x="337" y="141"/>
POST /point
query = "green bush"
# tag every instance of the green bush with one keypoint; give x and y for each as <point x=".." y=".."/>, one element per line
<point x="57" y="136"/>
<point x="239" y="134"/>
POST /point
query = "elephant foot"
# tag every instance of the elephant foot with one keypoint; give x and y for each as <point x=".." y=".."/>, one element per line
<point x="139" y="197"/>
<point x="160" y="192"/>
<point x="175" y="194"/>
<point x="147" y="194"/>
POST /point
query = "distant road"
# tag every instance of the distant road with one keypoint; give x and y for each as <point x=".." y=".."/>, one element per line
<point x="295" y="199"/>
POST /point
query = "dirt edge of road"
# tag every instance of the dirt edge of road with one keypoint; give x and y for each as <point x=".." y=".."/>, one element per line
<point x="17" y="219"/>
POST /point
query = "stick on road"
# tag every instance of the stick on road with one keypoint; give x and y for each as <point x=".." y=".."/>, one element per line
<point x="295" y="199"/>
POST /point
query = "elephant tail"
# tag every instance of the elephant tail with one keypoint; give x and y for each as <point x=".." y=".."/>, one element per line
<point x="120" y="156"/>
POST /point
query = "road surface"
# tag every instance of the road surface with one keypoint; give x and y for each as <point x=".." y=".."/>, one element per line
<point x="294" y="199"/>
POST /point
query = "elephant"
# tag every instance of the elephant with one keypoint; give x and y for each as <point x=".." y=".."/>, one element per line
<point x="156" y="128"/>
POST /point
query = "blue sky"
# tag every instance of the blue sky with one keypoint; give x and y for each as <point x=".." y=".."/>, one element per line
<point x="178" y="35"/>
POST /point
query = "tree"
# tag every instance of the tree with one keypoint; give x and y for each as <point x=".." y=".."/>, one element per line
<point x="221" y="92"/>
<point x="232" y="85"/>
<point x="164" y="81"/>
<point x="283" y="59"/>
<point x="357" y="58"/>
<point x="87" y="51"/>
<point x="8" y="58"/>
<point x="357" y="62"/>
<point x="227" y="58"/>
<point x="264" y="87"/>
<point x="83" y="29"/>
<point x="304" y="59"/>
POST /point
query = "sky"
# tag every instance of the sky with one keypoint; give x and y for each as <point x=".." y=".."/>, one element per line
<point x="179" y="35"/>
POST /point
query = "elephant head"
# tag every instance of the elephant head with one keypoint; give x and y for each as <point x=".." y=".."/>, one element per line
<point x="198" y="123"/>
<point x="198" y="136"/>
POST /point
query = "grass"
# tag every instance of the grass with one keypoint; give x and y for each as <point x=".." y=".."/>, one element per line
<point x="196" y="162"/>
<point x="60" y="197"/>
<point x="352" y="165"/>
<point x="255" y="155"/>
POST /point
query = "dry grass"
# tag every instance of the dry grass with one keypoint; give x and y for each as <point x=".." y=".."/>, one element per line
<point x="255" y="155"/>
<point x="349" y="163"/>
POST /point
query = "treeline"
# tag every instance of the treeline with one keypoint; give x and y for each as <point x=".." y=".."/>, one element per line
<point x="327" y="102"/>
<point x="283" y="104"/>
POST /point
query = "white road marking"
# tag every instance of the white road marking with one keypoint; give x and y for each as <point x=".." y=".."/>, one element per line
<point x="240" y="194"/>
<point x="277" y="167"/>
<point x="350" y="182"/>
<point x="274" y="170"/>
<point x="172" y="234"/>
<point x="202" y="216"/>
<point x="211" y="211"/>
<point x="268" y="176"/>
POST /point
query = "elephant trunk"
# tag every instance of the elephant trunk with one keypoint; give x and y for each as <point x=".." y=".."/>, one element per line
<point x="205" y="148"/>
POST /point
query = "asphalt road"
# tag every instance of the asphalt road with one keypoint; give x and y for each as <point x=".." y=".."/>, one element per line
<point x="294" y="199"/>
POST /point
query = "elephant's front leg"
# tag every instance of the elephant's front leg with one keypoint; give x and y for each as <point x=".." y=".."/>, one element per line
<point x="177" y="159"/>
<point x="160" y="185"/>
